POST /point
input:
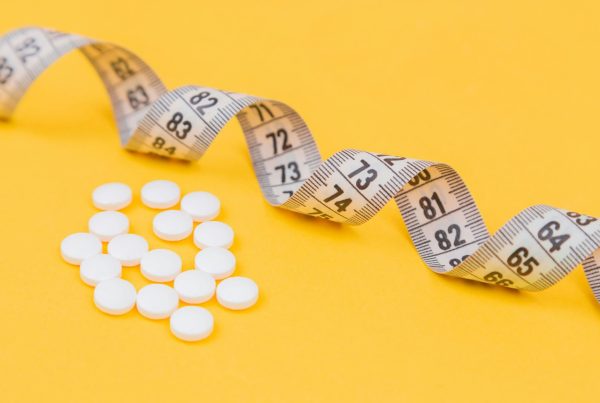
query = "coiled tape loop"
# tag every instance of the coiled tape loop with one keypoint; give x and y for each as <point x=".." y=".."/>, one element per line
<point x="532" y="251"/>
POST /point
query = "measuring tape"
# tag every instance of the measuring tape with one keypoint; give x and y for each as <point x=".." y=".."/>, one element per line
<point x="533" y="251"/>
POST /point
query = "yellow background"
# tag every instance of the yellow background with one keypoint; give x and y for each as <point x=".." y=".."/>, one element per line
<point x="506" y="92"/>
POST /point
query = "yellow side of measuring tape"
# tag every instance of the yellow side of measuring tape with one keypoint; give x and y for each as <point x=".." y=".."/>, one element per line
<point x="533" y="251"/>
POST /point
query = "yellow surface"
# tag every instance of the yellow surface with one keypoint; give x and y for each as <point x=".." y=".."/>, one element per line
<point x="507" y="93"/>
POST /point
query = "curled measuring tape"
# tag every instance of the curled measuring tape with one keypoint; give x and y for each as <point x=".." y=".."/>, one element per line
<point x="532" y="251"/>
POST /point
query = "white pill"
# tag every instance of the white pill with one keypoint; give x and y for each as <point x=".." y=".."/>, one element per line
<point x="112" y="196"/>
<point x="160" y="194"/>
<point x="194" y="286"/>
<point x="202" y="206"/>
<point x="115" y="296"/>
<point x="213" y="233"/>
<point x="98" y="268"/>
<point x="218" y="262"/>
<point x="157" y="301"/>
<point x="128" y="249"/>
<point x="160" y="265"/>
<point x="191" y="323"/>
<point x="173" y="225"/>
<point x="237" y="293"/>
<point x="77" y="247"/>
<point x="108" y="224"/>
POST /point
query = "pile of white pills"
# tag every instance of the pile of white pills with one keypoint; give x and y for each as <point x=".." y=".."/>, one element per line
<point x="160" y="300"/>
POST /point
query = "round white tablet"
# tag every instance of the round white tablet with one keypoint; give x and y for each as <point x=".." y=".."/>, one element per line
<point x="115" y="296"/>
<point x="194" y="286"/>
<point x="108" y="224"/>
<point x="112" y="196"/>
<point x="218" y="262"/>
<point x="157" y="301"/>
<point x="128" y="249"/>
<point x="213" y="233"/>
<point x="160" y="265"/>
<point x="172" y="225"/>
<point x="77" y="247"/>
<point x="160" y="194"/>
<point x="237" y="293"/>
<point x="202" y="206"/>
<point x="192" y="323"/>
<point x="98" y="268"/>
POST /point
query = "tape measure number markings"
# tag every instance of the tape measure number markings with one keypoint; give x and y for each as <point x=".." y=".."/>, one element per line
<point x="532" y="251"/>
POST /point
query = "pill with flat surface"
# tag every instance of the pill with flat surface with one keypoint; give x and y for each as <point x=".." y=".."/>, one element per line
<point x="157" y="301"/>
<point x="108" y="224"/>
<point x="237" y="293"/>
<point x="112" y="196"/>
<point x="202" y="206"/>
<point x="194" y="286"/>
<point x="115" y="296"/>
<point x="98" y="268"/>
<point x="160" y="265"/>
<point x="79" y="246"/>
<point x="218" y="262"/>
<point x="172" y="225"/>
<point x="160" y="194"/>
<point x="213" y="233"/>
<point x="191" y="323"/>
<point x="128" y="249"/>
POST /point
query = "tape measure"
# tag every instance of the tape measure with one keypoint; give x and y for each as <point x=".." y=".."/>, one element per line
<point x="532" y="251"/>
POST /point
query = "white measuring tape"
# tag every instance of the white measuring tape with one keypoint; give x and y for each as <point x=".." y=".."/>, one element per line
<point x="532" y="251"/>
